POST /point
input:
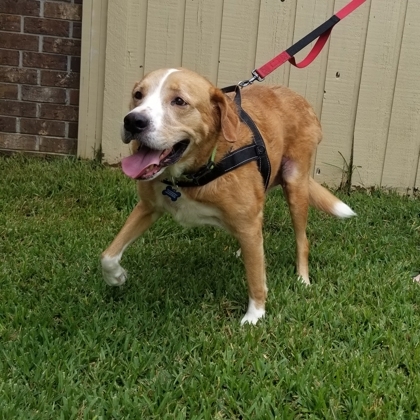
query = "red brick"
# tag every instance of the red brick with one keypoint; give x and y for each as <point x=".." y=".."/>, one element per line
<point x="20" y="7"/>
<point x="73" y="130"/>
<point x="44" y="61"/>
<point x="15" y="75"/>
<point x="43" y="94"/>
<point x="18" y="142"/>
<point x="61" y="46"/>
<point x="7" y="124"/>
<point x="14" y="41"/>
<point x="59" y="112"/>
<point x="74" y="97"/>
<point x="63" y="11"/>
<point x="57" y="145"/>
<point x="9" y="57"/>
<point x="47" y="27"/>
<point x="17" y="108"/>
<point x="77" y="30"/>
<point x="42" y="127"/>
<point x="8" y="91"/>
<point x="10" y="23"/>
<point x="60" y="79"/>
<point x="75" y="64"/>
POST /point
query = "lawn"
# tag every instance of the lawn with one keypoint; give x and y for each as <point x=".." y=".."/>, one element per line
<point x="168" y="344"/>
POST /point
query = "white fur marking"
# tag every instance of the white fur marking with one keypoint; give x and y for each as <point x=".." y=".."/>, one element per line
<point x="304" y="281"/>
<point x="343" y="210"/>
<point x="253" y="314"/>
<point x="114" y="274"/>
<point x="188" y="212"/>
<point x="153" y="102"/>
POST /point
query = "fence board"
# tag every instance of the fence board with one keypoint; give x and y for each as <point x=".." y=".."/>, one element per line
<point x="275" y="34"/>
<point x="238" y="41"/>
<point x="403" y="145"/>
<point x="309" y="82"/>
<point x="164" y="34"/>
<point x="114" y="80"/>
<point x="94" y="29"/>
<point x="134" y="63"/>
<point x="124" y="57"/>
<point x="377" y="88"/>
<point x="339" y="106"/>
<point x="203" y="26"/>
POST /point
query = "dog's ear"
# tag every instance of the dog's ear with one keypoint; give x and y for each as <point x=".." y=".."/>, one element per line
<point x="229" y="120"/>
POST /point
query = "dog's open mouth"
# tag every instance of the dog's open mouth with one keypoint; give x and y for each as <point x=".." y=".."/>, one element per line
<point x="147" y="162"/>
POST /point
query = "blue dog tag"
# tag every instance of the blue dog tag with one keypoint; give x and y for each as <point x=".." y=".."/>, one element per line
<point x="171" y="193"/>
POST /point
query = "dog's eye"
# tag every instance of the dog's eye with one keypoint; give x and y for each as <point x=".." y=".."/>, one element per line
<point x="179" y="101"/>
<point x="138" y="95"/>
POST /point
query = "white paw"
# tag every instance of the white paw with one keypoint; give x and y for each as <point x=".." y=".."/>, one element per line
<point x="115" y="279"/>
<point x="253" y="314"/>
<point x="305" y="281"/>
<point x="114" y="274"/>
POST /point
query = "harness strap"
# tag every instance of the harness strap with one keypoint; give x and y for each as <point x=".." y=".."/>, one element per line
<point x="254" y="151"/>
<point x="230" y="162"/>
<point x="262" y="158"/>
<point x="322" y="33"/>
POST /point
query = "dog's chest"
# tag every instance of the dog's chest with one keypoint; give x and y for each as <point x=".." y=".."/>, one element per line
<point x="188" y="212"/>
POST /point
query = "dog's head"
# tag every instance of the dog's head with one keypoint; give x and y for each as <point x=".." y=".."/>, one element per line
<point x="173" y="113"/>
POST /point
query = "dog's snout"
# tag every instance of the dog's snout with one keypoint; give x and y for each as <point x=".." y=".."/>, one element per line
<point x="135" y="122"/>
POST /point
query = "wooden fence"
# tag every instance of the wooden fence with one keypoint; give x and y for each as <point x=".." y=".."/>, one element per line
<point x="365" y="85"/>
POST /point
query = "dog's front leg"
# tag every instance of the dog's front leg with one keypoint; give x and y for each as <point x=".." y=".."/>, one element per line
<point x="140" y="219"/>
<point x="251" y="241"/>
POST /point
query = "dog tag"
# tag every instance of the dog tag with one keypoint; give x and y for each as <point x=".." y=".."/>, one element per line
<point x="171" y="193"/>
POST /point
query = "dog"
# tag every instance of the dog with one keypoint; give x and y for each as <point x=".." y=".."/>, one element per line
<point x="179" y="122"/>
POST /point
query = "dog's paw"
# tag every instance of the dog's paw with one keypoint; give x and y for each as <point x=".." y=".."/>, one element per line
<point x="113" y="273"/>
<point x="304" y="281"/>
<point x="115" y="279"/>
<point x="253" y="314"/>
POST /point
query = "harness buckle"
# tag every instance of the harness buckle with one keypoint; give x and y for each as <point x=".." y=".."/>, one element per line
<point x="255" y="77"/>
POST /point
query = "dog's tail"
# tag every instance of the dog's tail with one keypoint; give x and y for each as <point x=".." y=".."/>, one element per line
<point x="322" y="199"/>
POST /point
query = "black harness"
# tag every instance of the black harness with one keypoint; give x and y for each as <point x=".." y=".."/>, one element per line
<point x="255" y="151"/>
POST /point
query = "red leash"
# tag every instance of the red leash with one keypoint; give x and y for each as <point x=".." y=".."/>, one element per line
<point x="322" y="33"/>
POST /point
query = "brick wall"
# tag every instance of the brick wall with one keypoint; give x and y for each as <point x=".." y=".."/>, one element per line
<point x="39" y="75"/>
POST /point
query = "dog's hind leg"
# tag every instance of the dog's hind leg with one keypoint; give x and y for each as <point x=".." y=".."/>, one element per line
<point x="140" y="219"/>
<point x="297" y="195"/>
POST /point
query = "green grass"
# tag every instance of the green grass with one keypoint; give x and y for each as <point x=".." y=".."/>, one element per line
<point x="168" y="345"/>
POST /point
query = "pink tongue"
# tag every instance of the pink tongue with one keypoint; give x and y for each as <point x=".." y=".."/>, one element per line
<point x="134" y="165"/>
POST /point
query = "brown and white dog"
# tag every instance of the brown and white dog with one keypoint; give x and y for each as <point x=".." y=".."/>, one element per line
<point x="177" y="120"/>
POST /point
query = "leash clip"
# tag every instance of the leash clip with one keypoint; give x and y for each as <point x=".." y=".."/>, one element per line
<point x="255" y="77"/>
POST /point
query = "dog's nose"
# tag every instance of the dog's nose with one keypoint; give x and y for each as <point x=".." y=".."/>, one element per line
<point x="135" y="122"/>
